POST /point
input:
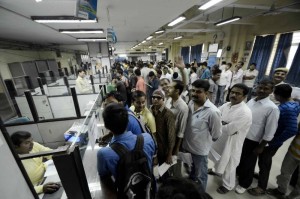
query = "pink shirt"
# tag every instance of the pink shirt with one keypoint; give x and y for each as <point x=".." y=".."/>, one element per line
<point x="140" y="85"/>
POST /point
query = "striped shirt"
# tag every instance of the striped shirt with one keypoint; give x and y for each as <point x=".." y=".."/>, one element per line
<point x="295" y="147"/>
<point x="287" y="123"/>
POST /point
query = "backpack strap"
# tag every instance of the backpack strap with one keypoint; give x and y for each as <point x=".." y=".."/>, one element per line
<point x="139" y="143"/>
<point x="119" y="149"/>
<point x="139" y="121"/>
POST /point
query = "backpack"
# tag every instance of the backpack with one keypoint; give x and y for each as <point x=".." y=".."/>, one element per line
<point x="134" y="178"/>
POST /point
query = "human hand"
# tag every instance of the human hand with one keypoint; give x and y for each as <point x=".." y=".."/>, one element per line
<point x="169" y="159"/>
<point x="51" y="187"/>
<point x="155" y="161"/>
<point x="258" y="150"/>
<point x="179" y="62"/>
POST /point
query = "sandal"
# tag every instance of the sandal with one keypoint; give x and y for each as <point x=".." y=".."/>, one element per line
<point x="256" y="191"/>
<point x="222" y="190"/>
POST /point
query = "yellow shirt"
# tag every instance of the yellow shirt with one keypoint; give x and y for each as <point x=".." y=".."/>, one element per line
<point x="147" y="118"/>
<point x="35" y="167"/>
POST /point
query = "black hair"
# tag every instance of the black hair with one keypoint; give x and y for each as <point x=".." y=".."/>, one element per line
<point x="137" y="72"/>
<point x="159" y="71"/>
<point x="229" y="64"/>
<point x="216" y="71"/>
<point x="266" y="82"/>
<point x="116" y="95"/>
<point x="243" y="87"/>
<point x="194" y="69"/>
<point x="242" y="63"/>
<point x="138" y="94"/>
<point x="179" y="85"/>
<point x="204" y="63"/>
<point x="151" y="74"/>
<point x="181" y="188"/>
<point x="283" y="90"/>
<point x="223" y="62"/>
<point x="201" y="83"/>
<point x="80" y="70"/>
<point x="120" y="70"/>
<point x="115" y="118"/>
<point x="253" y="64"/>
<point x="175" y="75"/>
<point x="18" y="137"/>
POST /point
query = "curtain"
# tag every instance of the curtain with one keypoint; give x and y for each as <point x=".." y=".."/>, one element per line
<point x="284" y="44"/>
<point x="196" y="53"/>
<point x="185" y="51"/>
<point x="261" y="53"/>
<point x="293" y="76"/>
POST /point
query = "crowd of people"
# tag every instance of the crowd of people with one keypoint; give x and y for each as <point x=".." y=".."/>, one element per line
<point x="219" y="113"/>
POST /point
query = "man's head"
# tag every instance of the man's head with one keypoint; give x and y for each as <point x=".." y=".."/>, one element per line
<point x="204" y="65"/>
<point x="238" y="93"/>
<point x="264" y="89"/>
<point x="159" y="73"/>
<point x="199" y="91"/>
<point x="115" y="118"/>
<point x="283" y="92"/>
<point x="216" y="74"/>
<point x="137" y="72"/>
<point x="164" y="84"/>
<point x="113" y="97"/>
<point x="22" y="141"/>
<point x="165" y="70"/>
<point x="81" y="73"/>
<point x="175" y="88"/>
<point x="252" y="66"/>
<point x="280" y="75"/>
<point x="228" y="66"/>
<point x="151" y="75"/>
<point x="158" y="98"/>
<point x="139" y="100"/>
<point x="240" y="64"/>
<point x="119" y="73"/>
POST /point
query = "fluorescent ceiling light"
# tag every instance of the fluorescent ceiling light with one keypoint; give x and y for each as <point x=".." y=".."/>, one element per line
<point x="38" y="1"/>
<point x="144" y="41"/>
<point x="61" y="19"/>
<point x="82" y="31"/>
<point x="209" y="4"/>
<point x="176" y="21"/>
<point x="177" y="37"/>
<point x="159" y="31"/>
<point x="161" y="43"/>
<point x="226" y="21"/>
<point x="92" y="39"/>
<point x="150" y="37"/>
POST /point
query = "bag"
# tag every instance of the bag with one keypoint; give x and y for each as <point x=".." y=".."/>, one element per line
<point x="143" y="126"/>
<point x="134" y="179"/>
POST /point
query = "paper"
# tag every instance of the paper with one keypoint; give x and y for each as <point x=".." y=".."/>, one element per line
<point x="164" y="167"/>
<point x="51" y="169"/>
<point x="185" y="158"/>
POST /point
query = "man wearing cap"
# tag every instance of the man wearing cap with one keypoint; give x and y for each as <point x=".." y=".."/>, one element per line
<point x="278" y="78"/>
<point x="165" y="128"/>
<point x="153" y="85"/>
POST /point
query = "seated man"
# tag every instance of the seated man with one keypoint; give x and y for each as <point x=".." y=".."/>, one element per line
<point x="115" y="119"/>
<point x="34" y="167"/>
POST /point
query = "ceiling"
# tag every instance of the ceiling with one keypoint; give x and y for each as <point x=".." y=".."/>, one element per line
<point x="132" y="20"/>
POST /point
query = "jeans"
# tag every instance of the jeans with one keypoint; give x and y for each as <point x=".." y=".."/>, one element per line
<point x="199" y="170"/>
<point x="220" y="96"/>
<point x="288" y="166"/>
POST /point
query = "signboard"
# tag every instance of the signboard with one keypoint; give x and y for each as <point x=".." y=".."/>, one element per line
<point x="88" y="9"/>
<point x="111" y="36"/>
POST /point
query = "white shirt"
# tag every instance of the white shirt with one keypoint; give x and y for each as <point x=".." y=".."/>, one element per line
<point x="239" y="119"/>
<point x="204" y="125"/>
<point x="193" y="78"/>
<point x="250" y="82"/>
<point x="144" y="73"/>
<point x="265" y="115"/>
<point x="237" y="77"/>
<point x="225" y="78"/>
<point x="82" y="85"/>
<point x="168" y="76"/>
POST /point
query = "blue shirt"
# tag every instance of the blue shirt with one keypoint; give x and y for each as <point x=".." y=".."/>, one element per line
<point x="133" y="124"/>
<point x="107" y="158"/>
<point x="205" y="74"/>
<point x="287" y="123"/>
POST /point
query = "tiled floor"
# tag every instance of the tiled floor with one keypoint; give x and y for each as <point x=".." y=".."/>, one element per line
<point x="214" y="182"/>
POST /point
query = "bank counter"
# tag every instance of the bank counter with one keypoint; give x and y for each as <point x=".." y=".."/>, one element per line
<point x="74" y="154"/>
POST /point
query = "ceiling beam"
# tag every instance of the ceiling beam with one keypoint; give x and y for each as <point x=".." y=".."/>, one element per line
<point x="260" y="7"/>
<point x="194" y="30"/>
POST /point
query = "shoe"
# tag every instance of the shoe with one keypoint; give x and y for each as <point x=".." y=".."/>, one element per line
<point x="222" y="190"/>
<point x="239" y="189"/>
<point x="274" y="192"/>
<point x="257" y="191"/>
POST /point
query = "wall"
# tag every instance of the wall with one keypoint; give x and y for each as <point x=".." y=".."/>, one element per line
<point x="9" y="56"/>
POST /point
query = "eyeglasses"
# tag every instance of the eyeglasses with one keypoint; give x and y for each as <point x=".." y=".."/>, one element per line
<point x="156" y="97"/>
